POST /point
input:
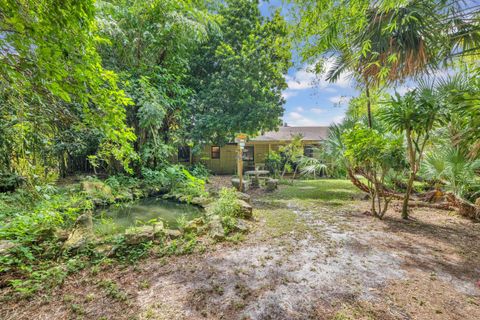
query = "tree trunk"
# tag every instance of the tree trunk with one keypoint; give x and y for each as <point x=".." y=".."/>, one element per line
<point x="413" y="170"/>
<point x="357" y="183"/>
<point x="369" y="106"/>
<point x="407" y="195"/>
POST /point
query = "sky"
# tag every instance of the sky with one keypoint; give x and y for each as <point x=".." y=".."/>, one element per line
<point x="311" y="101"/>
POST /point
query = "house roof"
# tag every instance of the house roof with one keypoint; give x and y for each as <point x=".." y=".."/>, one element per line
<point x="286" y="133"/>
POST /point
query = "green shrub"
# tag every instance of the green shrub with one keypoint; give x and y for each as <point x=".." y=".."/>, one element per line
<point x="226" y="204"/>
<point x="273" y="163"/>
<point x="199" y="170"/>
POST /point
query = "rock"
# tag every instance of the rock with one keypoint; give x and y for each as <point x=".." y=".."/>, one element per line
<point x="82" y="233"/>
<point x="61" y="235"/>
<point x="271" y="184"/>
<point x="236" y="184"/>
<point x="137" y="235"/>
<point x="158" y="229"/>
<point x="245" y="209"/>
<point x="201" y="201"/>
<point x="105" y="250"/>
<point x="5" y="246"/>
<point x="173" y="234"/>
<point x="216" y="228"/>
<point x="243" y="196"/>
<point x="242" y="226"/>
<point x="194" y="225"/>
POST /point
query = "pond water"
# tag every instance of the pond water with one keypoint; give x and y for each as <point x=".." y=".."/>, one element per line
<point x="117" y="219"/>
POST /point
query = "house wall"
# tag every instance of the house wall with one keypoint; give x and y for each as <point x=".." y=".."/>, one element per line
<point x="227" y="164"/>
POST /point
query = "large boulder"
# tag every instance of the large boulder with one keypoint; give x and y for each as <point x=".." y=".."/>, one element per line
<point x="81" y="234"/>
<point x="245" y="209"/>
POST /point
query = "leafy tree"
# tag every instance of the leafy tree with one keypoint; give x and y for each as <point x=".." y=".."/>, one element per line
<point x="374" y="155"/>
<point x="150" y="46"/>
<point x="52" y="77"/>
<point x="291" y="154"/>
<point x="238" y="74"/>
<point x="414" y="115"/>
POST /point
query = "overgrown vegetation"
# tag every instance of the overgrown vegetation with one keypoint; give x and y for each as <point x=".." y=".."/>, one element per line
<point x="383" y="45"/>
<point x="110" y="90"/>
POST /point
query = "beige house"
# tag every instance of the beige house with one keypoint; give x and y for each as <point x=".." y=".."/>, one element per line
<point x="222" y="159"/>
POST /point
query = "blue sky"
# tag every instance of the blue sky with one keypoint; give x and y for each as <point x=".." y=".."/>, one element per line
<point x="311" y="101"/>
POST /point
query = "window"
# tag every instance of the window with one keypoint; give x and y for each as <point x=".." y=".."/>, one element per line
<point x="215" y="152"/>
<point x="183" y="154"/>
<point x="308" y="151"/>
<point x="248" y="153"/>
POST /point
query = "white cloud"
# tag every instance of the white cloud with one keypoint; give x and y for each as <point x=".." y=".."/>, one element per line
<point x="338" y="119"/>
<point x="401" y="90"/>
<point x="339" y="99"/>
<point x="301" y="80"/>
<point x="289" y="93"/>
<point x="317" y="110"/>
<point x="295" y="115"/>
<point x="306" y="79"/>
<point x="299" y="109"/>
<point x="296" y="119"/>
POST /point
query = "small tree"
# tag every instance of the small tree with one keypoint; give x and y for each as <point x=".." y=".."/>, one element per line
<point x="414" y="114"/>
<point x="373" y="155"/>
<point x="291" y="153"/>
<point x="273" y="163"/>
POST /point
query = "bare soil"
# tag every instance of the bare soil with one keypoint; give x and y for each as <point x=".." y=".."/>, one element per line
<point x="302" y="260"/>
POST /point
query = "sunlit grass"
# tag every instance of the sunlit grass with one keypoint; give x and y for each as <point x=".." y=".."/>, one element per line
<point x="328" y="191"/>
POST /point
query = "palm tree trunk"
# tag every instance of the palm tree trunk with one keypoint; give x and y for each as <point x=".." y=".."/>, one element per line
<point x="369" y="105"/>
<point x="407" y="195"/>
<point x="413" y="170"/>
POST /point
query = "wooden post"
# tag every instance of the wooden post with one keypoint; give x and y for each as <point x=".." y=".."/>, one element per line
<point x="240" y="168"/>
<point x="240" y="140"/>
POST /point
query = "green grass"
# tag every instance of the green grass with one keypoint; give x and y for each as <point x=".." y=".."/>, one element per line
<point x="329" y="191"/>
<point x="319" y="197"/>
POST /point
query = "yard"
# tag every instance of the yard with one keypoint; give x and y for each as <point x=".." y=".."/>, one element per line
<point x="313" y="252"/>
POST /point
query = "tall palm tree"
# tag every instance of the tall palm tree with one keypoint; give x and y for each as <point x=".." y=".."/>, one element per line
<point x="405" y="41"/>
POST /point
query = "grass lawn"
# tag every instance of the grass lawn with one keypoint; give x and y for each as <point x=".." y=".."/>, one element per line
<point x="327" y="191"/>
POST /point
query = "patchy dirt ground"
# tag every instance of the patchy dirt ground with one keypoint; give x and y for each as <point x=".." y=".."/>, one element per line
<point x="312" y="254"/>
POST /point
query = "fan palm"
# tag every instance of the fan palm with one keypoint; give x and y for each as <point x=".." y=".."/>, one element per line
<point x="452" y="167"/>
<point x="312" y="167"/>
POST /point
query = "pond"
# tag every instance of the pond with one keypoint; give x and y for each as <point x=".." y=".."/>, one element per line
<point x="117" y="219"/>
